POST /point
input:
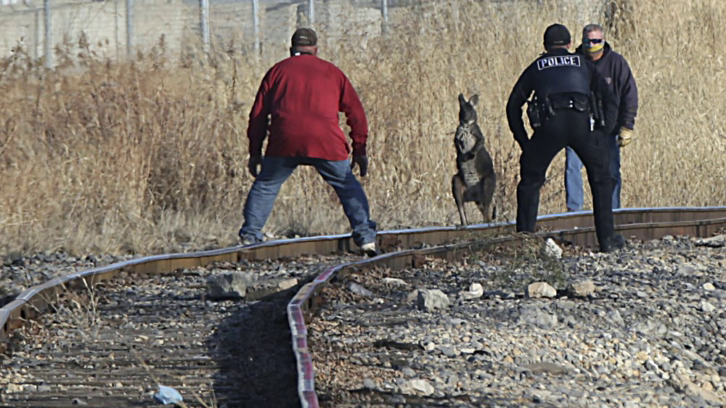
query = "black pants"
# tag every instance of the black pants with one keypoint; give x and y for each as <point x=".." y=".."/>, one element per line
<point x="567" y="128"/>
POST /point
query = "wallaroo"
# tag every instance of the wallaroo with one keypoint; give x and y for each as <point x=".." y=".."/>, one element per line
<point x="475" y="179"/>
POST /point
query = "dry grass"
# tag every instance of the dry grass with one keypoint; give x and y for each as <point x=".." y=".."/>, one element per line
<point x="150" y="155"/>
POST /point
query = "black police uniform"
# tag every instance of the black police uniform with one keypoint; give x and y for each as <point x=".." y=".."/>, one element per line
<point x="562" y="82"/>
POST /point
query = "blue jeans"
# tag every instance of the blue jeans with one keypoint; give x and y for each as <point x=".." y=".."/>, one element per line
<point x="275" y="170"/>
<point x="573" y="176"/>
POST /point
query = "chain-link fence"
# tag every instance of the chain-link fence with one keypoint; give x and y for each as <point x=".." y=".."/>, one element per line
<point x="117" y="28"/>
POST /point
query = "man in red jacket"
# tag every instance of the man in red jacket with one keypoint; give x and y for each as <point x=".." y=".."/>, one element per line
<point x="302" y="95"/>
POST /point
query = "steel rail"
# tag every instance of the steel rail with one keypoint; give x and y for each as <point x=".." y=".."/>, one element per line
<point x="302" y="307"/>
<point x="576" y="228"/>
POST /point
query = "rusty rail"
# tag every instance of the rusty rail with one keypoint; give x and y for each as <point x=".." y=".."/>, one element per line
<point x="657" y="225"/>
<point x="576" y="228"/>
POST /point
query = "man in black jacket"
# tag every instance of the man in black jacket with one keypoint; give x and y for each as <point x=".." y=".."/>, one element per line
<point x="564" y="85"/>
<point x="616" y="71"/>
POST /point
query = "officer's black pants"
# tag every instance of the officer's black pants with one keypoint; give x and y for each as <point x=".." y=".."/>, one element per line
<point x="567" y="128"/>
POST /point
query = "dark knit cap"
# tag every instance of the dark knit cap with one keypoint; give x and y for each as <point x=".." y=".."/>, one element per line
<point x="304" y="37"/>
<point x="556" y="34"/>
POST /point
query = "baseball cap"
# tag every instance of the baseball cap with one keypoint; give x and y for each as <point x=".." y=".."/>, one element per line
<point x="304" y="37"/>
<point x="556" y="34"/>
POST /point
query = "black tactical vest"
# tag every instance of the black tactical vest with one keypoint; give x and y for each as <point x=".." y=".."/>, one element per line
<point x="561" y="73"/>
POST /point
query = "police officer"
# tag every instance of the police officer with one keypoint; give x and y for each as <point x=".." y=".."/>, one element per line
<point x="567" y="89"/>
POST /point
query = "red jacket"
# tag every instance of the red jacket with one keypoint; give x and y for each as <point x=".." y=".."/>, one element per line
<point x="303" y="95"/>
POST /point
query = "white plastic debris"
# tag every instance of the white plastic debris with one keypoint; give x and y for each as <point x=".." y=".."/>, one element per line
<point x="552" y="249"/>
<point x="476" y="290"/>
<point x="168" y="395"/>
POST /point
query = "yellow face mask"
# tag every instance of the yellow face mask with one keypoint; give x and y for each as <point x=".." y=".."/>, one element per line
<point x="593" y="45"/>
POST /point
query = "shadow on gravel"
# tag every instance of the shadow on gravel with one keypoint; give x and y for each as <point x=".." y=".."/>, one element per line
<point x="378" y="399"/>
<point x="253" y="349"/>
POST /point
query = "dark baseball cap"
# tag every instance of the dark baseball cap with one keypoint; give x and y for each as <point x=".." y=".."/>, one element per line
<point x="304" y="37"/>
<point x="556" y="34"/>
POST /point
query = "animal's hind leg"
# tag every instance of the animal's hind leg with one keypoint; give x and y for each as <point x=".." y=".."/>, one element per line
<point x="486" y="193"/>
<point x="457" y="189"/>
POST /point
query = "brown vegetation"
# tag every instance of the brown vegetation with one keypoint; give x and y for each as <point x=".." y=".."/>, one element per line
<point x="149" y="156"/>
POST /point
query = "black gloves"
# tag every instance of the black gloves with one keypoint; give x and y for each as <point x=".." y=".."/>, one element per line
<point x="362" y="162"/>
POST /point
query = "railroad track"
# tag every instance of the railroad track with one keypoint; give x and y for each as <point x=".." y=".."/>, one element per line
<point x="150" y="322"/>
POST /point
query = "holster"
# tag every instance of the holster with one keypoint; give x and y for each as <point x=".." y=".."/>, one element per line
<point x="539" y="111"/>
<point x="533" y="113"/>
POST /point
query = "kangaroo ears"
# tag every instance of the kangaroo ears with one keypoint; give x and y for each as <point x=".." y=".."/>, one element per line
<point x="462" y="100"/>
<point x="474" y="100"/>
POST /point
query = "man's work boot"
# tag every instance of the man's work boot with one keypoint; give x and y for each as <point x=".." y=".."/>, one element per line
<point x="613" y="243"/>
<point x="370" y="249"/>
<point x="248" y="239"/>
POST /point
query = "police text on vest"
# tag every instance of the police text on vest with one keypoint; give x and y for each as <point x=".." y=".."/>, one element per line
<point x="559" y="61"/>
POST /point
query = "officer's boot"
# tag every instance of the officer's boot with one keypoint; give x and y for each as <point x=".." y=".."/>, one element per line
<point x="613" y="243"/>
